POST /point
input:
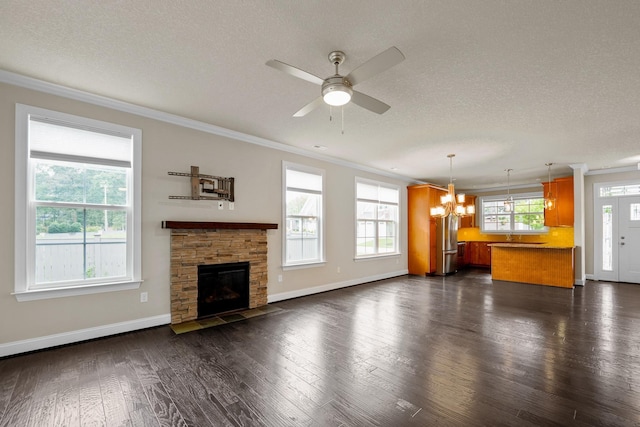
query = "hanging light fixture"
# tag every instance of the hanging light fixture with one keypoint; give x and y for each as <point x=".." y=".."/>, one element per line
<point x="452" y="204"/>
<point x="508" y="204"/>
<point x="336" y="91"/>
<point x="549" y="198"/>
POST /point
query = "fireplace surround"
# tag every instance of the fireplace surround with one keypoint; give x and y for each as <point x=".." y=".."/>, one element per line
<point x="209" y="243"/>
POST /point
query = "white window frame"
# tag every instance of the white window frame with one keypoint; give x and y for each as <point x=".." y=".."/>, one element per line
<point x="320" y="221"/>
<point x="503" y="197"/>
<point x="378" y="184"/>
<point x="25" y="235"/>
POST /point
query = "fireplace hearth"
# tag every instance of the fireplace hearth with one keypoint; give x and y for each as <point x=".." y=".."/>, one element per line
<point x="222" y="288"/>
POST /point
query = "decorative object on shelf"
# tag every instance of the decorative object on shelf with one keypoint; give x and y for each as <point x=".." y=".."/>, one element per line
<point x="549" y="198"/>
<point x="508" y="204"/>
<point x="452" y="204"/>
<point x="207" y="187"/>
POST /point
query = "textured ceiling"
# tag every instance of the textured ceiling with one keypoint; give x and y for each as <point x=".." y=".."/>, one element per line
<point x="502" y="84"/>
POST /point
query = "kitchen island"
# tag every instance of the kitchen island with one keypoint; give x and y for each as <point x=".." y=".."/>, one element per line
<point x="537" y="264"/>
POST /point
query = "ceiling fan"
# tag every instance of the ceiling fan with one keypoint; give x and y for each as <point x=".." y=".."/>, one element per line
<point x="337" y="89"/>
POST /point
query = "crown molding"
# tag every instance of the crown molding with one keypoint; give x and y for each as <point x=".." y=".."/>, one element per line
<point x="114" y="104"/>
<point x="613" y="170"/>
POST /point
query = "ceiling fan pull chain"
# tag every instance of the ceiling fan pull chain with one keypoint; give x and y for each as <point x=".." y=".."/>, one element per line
<point x="330" y="113"/>
<point x="342" y="108"/>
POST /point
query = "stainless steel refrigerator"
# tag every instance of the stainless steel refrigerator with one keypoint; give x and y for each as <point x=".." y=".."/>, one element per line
<point x="446" y="245"/>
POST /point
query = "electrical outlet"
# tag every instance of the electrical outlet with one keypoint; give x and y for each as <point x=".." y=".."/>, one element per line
<point x="220" y="206"/>
<point x="144" y="296"/>
<point x="232" y="206"/>
<point x="280" y="278"/>
<point x="338" y="270"/>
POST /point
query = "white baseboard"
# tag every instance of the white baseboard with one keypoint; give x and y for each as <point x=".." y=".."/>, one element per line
<point x="39" y="343"/>
<point x="591" y="277"/>
<point x="332" y="286"/>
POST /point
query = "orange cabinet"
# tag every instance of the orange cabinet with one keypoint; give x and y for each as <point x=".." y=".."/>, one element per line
<point x="479" y="254"/>
<point x="422" y="227"/>
<point x="562" y="190"/>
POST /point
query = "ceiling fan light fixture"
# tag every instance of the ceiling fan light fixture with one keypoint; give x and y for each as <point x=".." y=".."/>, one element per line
<point x="336" y="94"/>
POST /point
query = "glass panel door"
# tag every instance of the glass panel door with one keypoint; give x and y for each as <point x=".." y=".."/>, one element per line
<point x="617" y="232"/>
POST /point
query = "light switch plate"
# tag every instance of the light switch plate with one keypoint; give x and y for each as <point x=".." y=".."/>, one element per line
<point x="232" y="206"/>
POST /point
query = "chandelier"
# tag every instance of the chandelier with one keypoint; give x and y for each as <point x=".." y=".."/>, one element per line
<point x="549" y="199"/>
<point x="452" y="204"/>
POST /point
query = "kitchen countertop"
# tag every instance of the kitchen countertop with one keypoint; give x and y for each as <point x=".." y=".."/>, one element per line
<point x="530" y="245"/>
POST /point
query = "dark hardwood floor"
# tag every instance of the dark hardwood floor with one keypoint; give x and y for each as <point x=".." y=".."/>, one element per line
<point x="410" y="351"/>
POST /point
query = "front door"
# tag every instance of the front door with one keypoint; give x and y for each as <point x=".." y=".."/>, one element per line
<point x="629" y="239"/>
<point x="617" y="232"/>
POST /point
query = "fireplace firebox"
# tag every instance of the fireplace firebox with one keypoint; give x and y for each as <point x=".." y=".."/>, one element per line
<point x="222" y="288"/>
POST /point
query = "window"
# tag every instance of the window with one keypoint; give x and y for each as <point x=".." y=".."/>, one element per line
<point x="77" y="205"/>
<point x="527" y="216"/>
<point x="607" y="238"/>
<point x="619" y="190"/>
<point x="303" y="215"/>
<point x="634" y="212"/>
<point x="376" y="218"/>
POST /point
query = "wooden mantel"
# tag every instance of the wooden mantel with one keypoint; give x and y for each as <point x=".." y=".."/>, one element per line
<point x="191" y="225"/>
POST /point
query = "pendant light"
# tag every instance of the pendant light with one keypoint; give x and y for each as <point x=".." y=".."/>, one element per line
<point x="549" y="198"/>
<point x="508" y="204"/>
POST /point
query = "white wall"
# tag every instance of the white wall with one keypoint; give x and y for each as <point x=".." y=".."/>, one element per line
<point x="169" y="147"/>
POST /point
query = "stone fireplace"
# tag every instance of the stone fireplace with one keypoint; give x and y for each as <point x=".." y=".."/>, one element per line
<point x="195" y="244"/>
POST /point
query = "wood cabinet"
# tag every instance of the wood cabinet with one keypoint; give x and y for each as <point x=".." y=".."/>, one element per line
<point x="469" y="220"/>
<point x="562" y="190"/>
<point x="462" y="255"/>
<point x="422" y="227"/>
<point x="479" y="254"/>
<point x="467" y="253"/>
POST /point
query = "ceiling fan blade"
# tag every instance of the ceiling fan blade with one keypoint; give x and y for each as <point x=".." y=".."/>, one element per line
<point x="309" y="107"/>
<point x="371" y="104"/>
<point x="295" y="72"/>
<point x="376" y="65"/>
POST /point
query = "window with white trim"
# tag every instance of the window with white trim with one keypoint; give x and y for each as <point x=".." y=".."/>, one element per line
<point x="527" y="215"/>
<point x="303" y="207"/>
<point x="377" y="218"/>
<point x="77" y="204"/>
